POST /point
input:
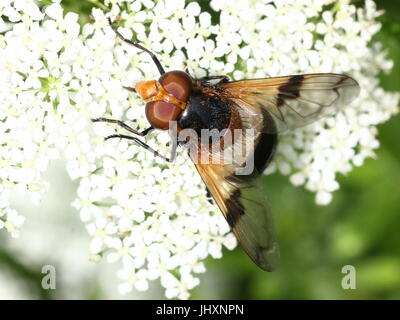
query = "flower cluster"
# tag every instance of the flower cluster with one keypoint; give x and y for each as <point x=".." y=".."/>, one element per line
<point x="151" y="216"/>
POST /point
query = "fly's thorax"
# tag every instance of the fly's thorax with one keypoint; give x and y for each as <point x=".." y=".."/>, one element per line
<point x="206" y="119"/>
<point x="205" y="112"/>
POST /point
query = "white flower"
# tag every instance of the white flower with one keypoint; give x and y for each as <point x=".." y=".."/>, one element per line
<point x="153" y="218"/>
<point x="13" y="223"/>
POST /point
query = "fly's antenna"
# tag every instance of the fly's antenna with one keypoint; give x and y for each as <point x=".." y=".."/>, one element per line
<point x="152" y="55"/>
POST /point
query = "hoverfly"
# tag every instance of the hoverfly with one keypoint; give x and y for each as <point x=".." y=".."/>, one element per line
<point x="268" y="106"/>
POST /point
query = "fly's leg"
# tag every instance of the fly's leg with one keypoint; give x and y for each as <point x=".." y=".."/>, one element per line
<point x="137" y="45"/>
<point x="129" y="89"/>
<point x="138" y="141"/>
<point x="144" y="145"/>
<point x="125" y="126"/>
<point x="222" y="79"/>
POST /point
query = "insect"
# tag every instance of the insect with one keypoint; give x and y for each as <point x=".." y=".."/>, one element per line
<point x="266" y="106"/>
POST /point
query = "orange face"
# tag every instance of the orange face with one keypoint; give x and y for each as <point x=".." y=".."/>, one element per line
<point x="166" y="98"/>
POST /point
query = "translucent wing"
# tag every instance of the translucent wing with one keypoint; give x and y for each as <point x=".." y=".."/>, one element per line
<point x="238" y="192"/>
<point x="245" y="209"/>
<point x="293" y="101"/>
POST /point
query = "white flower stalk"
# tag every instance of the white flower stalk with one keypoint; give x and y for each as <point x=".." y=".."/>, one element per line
<point x="153" y="217"/>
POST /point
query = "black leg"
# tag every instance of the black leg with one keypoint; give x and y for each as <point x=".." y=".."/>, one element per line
<point x="188" y="72"/>
<point x="129" y="89"/>
<point x="146" y="131"/>
<point x="140" y="143"/>
<point x="152" y="55"/>
<point x="125" y="126"/>
<point x="208" y="78"/>
<point x="209" y="196"/>
<point x="187" y="69"/>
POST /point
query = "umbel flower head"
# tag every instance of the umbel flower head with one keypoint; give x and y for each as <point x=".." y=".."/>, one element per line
<point x="153" y="217"/>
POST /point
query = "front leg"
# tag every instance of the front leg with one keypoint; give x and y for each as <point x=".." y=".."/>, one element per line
<point x="139" y="133"/>
<point x="222" y="79"/>
<point x="144" y="145"/>
<point x="125" y="126"/>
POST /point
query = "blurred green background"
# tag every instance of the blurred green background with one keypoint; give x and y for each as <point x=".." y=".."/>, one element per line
<point x="360" y="228"/>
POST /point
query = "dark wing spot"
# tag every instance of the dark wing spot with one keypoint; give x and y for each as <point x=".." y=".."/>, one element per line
<point x="290" y="89"/>
<point x="236" y="194"/>
<point x="279" y="100"/>
<point x="235" y="208"/>
<point x="336" y="89"/>
<point x="266" y="146"/>
<point x="209" y="196"/>
<point x="341" y="80"/>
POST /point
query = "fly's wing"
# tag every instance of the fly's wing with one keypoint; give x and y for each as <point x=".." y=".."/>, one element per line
<point x="245" y="208"/>
<point x="234" y="185"/>
<point x="267" y="106"/>
<point x="293" y="101"/>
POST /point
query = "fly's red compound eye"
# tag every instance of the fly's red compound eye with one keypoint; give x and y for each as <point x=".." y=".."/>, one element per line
<point x="160" y="113"/>
<point x="177" y="83"/>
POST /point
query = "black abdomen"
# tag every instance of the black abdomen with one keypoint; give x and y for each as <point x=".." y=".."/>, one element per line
<point x="205" y="112"/>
